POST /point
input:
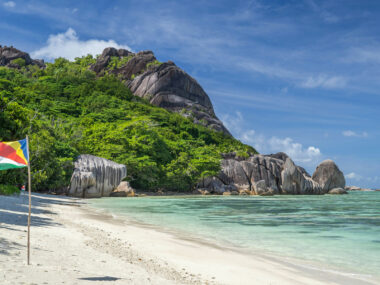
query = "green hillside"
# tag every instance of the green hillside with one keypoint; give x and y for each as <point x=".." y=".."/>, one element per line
<point x="67" y="111"/>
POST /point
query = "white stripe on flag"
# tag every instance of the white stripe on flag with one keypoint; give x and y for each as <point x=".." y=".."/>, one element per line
<point x="4" y="160"/>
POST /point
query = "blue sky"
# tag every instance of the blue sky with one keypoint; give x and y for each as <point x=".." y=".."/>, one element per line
<point x="294" y="76"/>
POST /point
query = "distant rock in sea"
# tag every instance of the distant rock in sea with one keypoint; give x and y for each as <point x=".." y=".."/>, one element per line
<point x="337" y="191"/>
<point x="355" y="188"/>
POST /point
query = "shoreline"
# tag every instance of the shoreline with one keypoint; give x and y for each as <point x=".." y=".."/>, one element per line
<point x="95" y="244"/>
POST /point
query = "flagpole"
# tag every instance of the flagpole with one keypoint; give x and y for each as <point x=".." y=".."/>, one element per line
<point x="30" y="197"/>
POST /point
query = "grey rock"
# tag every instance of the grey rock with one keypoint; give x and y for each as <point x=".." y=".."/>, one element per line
<point x="95" y="177"/>
<point x="355" y="188"/>
<point x="352" y="188"/>
<point x="337" y="191"/>
<point x="215" y="186"/>
<point x="329" y="176"/>
<point x="259" y="174"/>
<point x="244" y="173"/>
<point x="164" y="85"/>
<point x="103" y="60"/>
<point x="136" y="65"/>
<point x="8" y="54"/>
<point x="169" y="87"/>
<point x="260" y="187"/>
<point x="123" y="190"/>
<point x="268" y="193"/>
<point x="295" y="182"/>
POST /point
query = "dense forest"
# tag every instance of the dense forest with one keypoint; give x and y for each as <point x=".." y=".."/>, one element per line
<point x="67" y="110"/>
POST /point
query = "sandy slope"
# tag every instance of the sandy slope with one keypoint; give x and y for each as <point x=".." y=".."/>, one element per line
<point x="72" y="244"/>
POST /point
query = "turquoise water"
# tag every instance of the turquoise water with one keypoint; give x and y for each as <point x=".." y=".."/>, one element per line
<point x="335" y="232"/>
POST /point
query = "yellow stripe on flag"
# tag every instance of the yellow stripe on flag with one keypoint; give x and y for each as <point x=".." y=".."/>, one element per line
<point x="17" y="146"/>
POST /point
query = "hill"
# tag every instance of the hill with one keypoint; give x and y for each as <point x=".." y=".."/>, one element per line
<point x="71" y="108"/>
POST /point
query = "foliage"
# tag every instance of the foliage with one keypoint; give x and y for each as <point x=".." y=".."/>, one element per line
<point x="153" y="63"/>
<point x="8" y="190"/>
<point x="19" y="61"/>
<point x="242" y="154"/>
<point x="67" y="110"/>
<point x="116" y="62"/>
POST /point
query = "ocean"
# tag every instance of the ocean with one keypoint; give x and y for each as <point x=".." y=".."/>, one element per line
<point x="331" y="232"/>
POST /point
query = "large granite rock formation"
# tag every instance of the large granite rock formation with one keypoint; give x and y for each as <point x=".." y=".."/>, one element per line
<point x="95" y="177"/>
<point x="8" y="55"/>
<point x="329" y="176"/>
<point x="296" y="182"/>
<point x="263" y="175"/>
<point x="162" y="84"/>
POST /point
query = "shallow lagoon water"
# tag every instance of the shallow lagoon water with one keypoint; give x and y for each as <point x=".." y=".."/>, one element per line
<point x="336" y="232"/>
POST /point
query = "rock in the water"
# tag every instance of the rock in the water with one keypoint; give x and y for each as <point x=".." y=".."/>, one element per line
<point x="203" y="192"/>
<point x="123" y="190"/>
<point x="95" y="177"/>
<point x="244" y="173"/>
<point x="262" y="174"/>
<point x="355" y="188"/>
<point x="337" y="191"/>
<point x="328" y="176"/>
<point x="268" y="193"/>
<point x="295" y="182"/>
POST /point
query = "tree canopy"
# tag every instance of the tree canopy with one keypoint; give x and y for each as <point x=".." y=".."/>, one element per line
<point x="67" y="110"/>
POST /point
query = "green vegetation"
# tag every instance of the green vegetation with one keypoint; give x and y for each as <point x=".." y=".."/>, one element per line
<point x="153" y="63"/>
<point x="67" y="111"/>
<point x="117" y="62"/>
<point x="8" y="190"/>
<point x="19" y="61"/>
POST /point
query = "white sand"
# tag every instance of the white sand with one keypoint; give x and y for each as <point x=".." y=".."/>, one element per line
<point x="72" y="244"/>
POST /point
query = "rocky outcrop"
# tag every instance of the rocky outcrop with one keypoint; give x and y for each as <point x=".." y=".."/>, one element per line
<point x="162" y="84"/>
<point x="328" y="176"/>
<point x="95" y="177"/>
<point x="9" y="55"/>
<point x="337" y="191"/>
<point x="294" y="181"/>
<point x="264" y="175"/>
<point x="355" y="188"/>
<point x="241" y="174"/>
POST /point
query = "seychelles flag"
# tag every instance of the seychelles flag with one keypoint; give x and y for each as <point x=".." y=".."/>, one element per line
<point x="13" y="154"/>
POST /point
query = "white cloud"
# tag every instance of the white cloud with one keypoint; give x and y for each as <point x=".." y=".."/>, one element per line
<point x="9" y="4"/>
<point x="295" y="150"/>
<point x="353" y="176"/>
<point x="368" y="54"/>
<point x="69" y="46"/>
<point x="324" y="82"/>
<point x="299" y="153"/>
<point x="350" y="133"/>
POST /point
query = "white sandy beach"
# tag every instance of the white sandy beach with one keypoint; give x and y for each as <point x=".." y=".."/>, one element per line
<point x="73" y="244"/>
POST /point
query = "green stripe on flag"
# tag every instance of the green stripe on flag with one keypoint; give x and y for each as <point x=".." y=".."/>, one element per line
<point x="5" y="166"/>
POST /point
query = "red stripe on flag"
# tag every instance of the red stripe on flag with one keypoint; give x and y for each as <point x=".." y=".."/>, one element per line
<point x="9" y="152"/>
